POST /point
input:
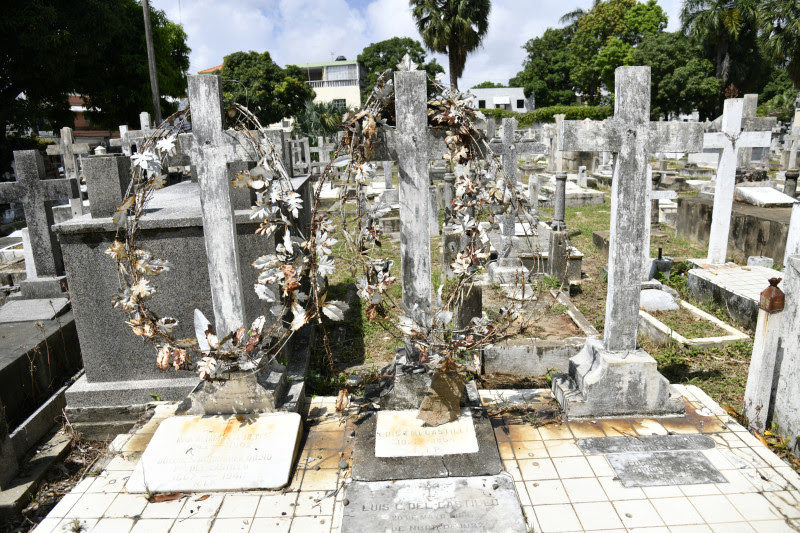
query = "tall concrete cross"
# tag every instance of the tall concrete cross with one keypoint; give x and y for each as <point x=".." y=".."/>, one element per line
<point x="213" y="149"/>
<point x="509" y="150"/>
<point x="35" y="193"/>
<point x="731" y="139"/>
<point x="633" y="137"/>
<point x="68" y="150"/>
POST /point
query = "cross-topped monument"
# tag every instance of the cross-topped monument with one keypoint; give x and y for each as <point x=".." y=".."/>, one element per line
<point x="730" y="139"/>
<point x="614" y="377"/>
<point x="212" y="149"/>
<point x="128" y="139"/>
<point x="35" y="193"/>
<point x="68" y="150"/>
<point x="750" y="122"/>
<point x="509" y="150"/>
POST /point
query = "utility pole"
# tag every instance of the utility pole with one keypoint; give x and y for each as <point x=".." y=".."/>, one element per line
<point x="151" y="62"/>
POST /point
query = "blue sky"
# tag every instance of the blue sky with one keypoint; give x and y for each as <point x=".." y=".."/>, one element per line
<point x="305" y="31"/>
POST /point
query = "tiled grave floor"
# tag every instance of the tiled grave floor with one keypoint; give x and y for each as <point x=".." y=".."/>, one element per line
<point x="561" y="488"/>
<point x="747" y="282"/>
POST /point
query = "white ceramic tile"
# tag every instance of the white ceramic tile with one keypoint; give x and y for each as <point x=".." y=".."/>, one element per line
<point x="715" y="509"/>
<point x="232" y="525"/>
<point x="546" y="491"/>
<point x="537" y="469"/>
<point x="192" y="525"/>
<point x="754" y="506"/>
<point x="201" y="505"/>
<point x="572" y="467"/>
<point x="582" y="490"/>
<point x="597" y="516"/>
<point x="638" y="513"/>
<point x="277" y="505"/>
<point x="557" y="518"/>
<point x="615" y="491"/>
<point x="126" y="505"/>
<point x="272" y="525"/>
<point x="239" y="506"/>
<point x="676" y="511"/>
<point x="153" y="525"/>
<point x="113" y="525"/>
<point x="312" y="524"/>
<point x="91" y="506"/>
<point x="314" y="503"/>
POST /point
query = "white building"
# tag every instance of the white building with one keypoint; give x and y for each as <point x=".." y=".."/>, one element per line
<point x="509" y="98"/>
<point x="339" y="81"/>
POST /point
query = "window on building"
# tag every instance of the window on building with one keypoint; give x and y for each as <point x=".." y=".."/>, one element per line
<point x="482" y="104"/>
<point x="340" y="103"/>
<point x="520" y="104"/>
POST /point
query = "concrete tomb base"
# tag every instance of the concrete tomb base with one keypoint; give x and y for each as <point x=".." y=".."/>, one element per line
<point x="603" y="383"/>
<point x="242" y="392"/>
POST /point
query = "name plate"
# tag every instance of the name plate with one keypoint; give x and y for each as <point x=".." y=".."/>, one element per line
<point x="654" y="469"/>
<point x="471" y="504"/>
<point x="401" y="434"/>
<point x="652" y="443"/>
<point x="210" y="453"/>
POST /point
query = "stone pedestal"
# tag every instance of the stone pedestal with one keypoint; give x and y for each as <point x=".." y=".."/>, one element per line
<point x="508" y="270"/>
<point x="558" y="254"/>
<point x="790" y="186"/>
<point x="604" y="383"/>
<point x="241" y="392"/>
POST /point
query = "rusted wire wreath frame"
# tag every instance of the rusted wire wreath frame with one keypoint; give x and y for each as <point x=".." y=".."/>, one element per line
<point x="358" y="146"/>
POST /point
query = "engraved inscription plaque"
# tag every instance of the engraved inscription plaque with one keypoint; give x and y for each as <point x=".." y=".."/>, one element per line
<point x="401" y="434"/>
<point x="469" y="504"/>
<point x="653" y="469"/>
<point x="655" y="443"/>
<point x="193" y="453"/>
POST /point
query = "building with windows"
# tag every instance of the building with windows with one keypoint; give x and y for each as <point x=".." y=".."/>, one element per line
<point x="339" y="81"/>
<point x="509" y="98"/>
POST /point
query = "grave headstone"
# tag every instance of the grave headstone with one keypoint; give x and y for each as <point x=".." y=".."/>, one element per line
<point x="752" y="123"/>
<point x="730" y="139"/>
<point x="68" y="150"/>
<point x="107" y="179"/>
<point x="590" y="392"/>
<point x="132" y="140"/>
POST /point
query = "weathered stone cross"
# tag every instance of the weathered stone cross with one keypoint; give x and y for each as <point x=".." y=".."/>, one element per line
<point x="67" y="150"/>
<point x="731" y="139"/>
<point x="36" y="193"/>
<point x="212" y="149"/>
<point x="633" y="137"/>
<point x="509" y="150"/>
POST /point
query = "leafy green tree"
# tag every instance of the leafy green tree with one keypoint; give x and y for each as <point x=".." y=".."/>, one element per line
<point x="489" y="85"/>
<point x="719" y="23"/>
<point x="682" y="79"/>
<point x="546" y="69"/>
<point x="779" y="21"/>
<point x="96" y="48"/>
<point x="604" y="39"/>
<point x="118" y="89"/>
<point x="269" y="91"/>
<point x="320" y="119"/>
<point x="385" y="55"/>
<point x="452" y="27"/>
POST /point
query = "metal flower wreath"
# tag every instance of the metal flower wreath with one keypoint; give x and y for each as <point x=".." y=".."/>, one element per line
<point x="482" y="191"/>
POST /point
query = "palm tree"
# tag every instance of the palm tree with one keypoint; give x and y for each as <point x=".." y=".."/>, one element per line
<point x="779" y="22"/>
<point x="452" y="27"/>
<point x="719" y="23"/>
<point x="573" y="16"/>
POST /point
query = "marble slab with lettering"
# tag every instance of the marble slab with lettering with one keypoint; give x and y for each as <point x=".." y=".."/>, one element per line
<point x="401" y="434"/>
<point x="216" y="453"/>
<point x="655" y="469"/>
<point x="650" y="443"/>
<point x="468" y="504"/>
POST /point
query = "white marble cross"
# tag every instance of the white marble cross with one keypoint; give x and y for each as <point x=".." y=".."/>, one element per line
<point x="130" y="138"/>
<point x="633" y="137"/>
<point x="731" y="139"/>
<point x="212" y="149"/>
<point x="68" y="150"/>
<point x="35" y="193"/>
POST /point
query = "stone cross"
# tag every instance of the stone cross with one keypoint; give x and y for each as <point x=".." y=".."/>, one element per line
<point x="794" y="141"/>
<point x="35" y="193"/>
<point x="387" y="175"/>
<point x="128" y="139"/>
<point x="412" y="153"/>
<point x="731" y="139"/>
<point x="67" y="150"/>
<point x="213" y="149"/>
<point x="559" y="202"/>
<point x="633" y="137"/>
<point x="509" y="151"/>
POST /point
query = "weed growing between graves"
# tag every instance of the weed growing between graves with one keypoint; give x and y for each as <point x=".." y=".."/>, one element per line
<point x="688" y="325"/>
<point x="720" y="372"/>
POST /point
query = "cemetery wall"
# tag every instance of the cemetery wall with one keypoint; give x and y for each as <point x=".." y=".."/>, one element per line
<point x="754" y="230"/>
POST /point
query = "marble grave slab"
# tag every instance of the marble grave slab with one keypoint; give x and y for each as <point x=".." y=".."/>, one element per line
<point x="402" y="434"/>
<point x="469" y="504"/>
<point x="219" y="453"/>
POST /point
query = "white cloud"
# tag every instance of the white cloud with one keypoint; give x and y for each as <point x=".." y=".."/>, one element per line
<point x="304" y="31"/>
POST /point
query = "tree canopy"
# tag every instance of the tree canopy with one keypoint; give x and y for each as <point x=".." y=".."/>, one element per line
<point x="385" y="55"/>
<point x="489" y="85"/>
<point x="546" y="70"/>
<point x="269" y="91"/>
<point x="452" y="27"/>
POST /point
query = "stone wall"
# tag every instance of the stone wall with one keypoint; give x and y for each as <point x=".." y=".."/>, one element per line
<point x="754" y="230"/>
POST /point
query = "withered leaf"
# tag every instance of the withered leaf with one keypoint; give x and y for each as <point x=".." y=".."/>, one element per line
<point x="168" y="497"/>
